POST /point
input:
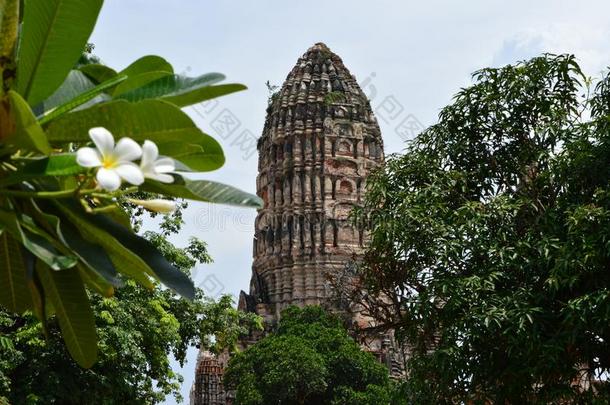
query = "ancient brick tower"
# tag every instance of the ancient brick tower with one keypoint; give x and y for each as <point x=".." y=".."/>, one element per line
<point x="319" y="143"/>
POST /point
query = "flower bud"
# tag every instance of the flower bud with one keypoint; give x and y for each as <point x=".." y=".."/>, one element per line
<point x="156" y="205"/>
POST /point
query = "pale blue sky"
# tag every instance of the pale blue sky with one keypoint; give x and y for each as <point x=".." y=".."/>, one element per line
<point x="411" y="57"/>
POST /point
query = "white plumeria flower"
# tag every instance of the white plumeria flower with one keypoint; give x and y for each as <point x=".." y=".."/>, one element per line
<point x="156" y="205"/>
<point x="115" y="162"/>
<point x="154" y="167"/>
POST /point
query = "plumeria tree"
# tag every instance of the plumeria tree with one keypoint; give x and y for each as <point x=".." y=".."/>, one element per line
<point x="77" y="145"/>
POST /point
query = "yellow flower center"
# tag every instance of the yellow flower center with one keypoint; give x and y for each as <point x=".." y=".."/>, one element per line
<point x="108" y="162"/>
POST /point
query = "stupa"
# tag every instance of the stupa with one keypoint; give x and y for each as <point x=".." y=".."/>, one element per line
<point x="319" y="143"/>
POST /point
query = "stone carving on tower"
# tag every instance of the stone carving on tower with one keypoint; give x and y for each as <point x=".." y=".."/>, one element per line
<point x="319" y="143"/>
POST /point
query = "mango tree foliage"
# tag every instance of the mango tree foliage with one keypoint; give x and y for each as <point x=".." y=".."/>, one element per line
<point x="308" y="359"/>
<point x="490" y="241"/>
<point x="63" y="226"/>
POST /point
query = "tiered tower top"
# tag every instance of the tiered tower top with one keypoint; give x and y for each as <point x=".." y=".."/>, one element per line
<point x="318" y="145"/>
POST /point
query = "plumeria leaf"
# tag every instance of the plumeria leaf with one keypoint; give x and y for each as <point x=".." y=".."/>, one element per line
<point x="143" y="71"/>
<point x="28" y="132"/>
<point x="137" y="81"/>
<point x="52" y="40"/>
<point x="63" y="164"/>
<point x="86" y="98"/>
<point x="34" y="240"/>
<point x="123" y="259"/>
<point x="97" y="72"/>
<point x="161" y="122"/>
<point x="182" y="90"/>
<point x="162" y="269"/>
<point x="204" y="190"/>
<point x="14" y="292"/>
<point x="196" y="95"/>
<point x="92" y="257"/>
<point x="96" y="282"/>
<point x="148" y="63"/>
<point x="76" y="83"/>
<point x="67" y="293"/>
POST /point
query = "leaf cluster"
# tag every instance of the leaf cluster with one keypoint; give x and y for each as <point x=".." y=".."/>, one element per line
<point x="489" y="241"/>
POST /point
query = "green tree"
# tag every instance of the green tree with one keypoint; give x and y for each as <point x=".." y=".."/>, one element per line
<point x="138" y="331"/>
<point x="63" y="223"/>
<point x="490" y="243"/>
<point x="309" y="359"/>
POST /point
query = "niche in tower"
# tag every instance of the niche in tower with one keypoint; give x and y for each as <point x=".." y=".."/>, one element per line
<point x="288" y="149"/>
<point x="345" y="188"/>
<point x="312" y="183"/>
<point x="312" y="237"/>
<point x="278" y="237"/>
<point x="290" y="233"/>
<point x="273" y="153"/>
<point x="322" y="187"/>
<point x="278" y="190"/>
<point x="270" y="237"/>
<point x="335" y="234"/>
<point x="302" y="175"/>
<point x="303" y="146"/>
<point x="302" y="231"/>
<point x="280" y="152"/>
<point x="344" y="148"/>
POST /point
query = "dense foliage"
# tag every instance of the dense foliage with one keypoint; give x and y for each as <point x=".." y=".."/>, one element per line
<point x="138" y="330"/>
<point x="65" y="182"/>
<point x="309" y="359"/>
<point x="491" y="241"/>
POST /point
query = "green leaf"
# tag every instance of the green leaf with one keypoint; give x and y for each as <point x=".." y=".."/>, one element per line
<point x="28" y="132"/>
<point x="63" y="164"/>
<point x="67" y="293"/>
<point x="75" y="84"/>
<point x="181" y="90"/>
<point x="96" y="282"/>
<point x="92" y="257"/>
<point x="123" y="259"/>
<point x="162" y="269"/>
<point x="54" y="34"/>
<point x="202" y="154"/>
<point x="35" y="240"/>
<point x="148" y="63"/>
<point x="137" y="81"/>
<point x="5" y="344"/>
<point x="143" y="71"/>
<point x="14" y="291"/>
<point x="203" y="190"/>
<point x="85" y="97"/>
<point x="97" y="72"/>
<point x="161" y="122"/>
<point x="202" y="94"/>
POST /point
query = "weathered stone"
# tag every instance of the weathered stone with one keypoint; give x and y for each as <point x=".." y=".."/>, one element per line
<point x="319" y="143"/>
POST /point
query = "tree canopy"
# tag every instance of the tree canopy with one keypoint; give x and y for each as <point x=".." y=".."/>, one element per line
<point x="490" y="241"/>
<point x="65" y="182"/>
<point x="309" y="359"/>
<point x="138" y="331"/>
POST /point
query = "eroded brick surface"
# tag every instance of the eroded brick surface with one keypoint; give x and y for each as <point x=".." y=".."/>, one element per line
<point x="319" y="143"/>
